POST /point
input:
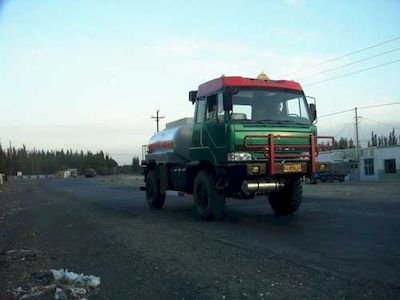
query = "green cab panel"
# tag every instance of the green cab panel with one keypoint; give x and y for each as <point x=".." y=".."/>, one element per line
<point x="257" y="135"/>
<point x="214" y="141"/>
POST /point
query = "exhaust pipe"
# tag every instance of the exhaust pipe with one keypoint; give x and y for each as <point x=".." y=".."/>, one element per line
<point x="261" y="186"/>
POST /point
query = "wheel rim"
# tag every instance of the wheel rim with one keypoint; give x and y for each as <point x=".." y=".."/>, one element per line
<point x="202" y="196"/>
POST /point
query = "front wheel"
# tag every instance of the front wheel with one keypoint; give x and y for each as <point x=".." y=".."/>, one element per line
<point x="209" y="202"/>
<point x="155" y="199"/>
<point x="287" y="201"/>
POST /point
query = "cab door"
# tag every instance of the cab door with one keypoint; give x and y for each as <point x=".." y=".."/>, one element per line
<point x="198" y="123"/>
<point x="214" y="132"/>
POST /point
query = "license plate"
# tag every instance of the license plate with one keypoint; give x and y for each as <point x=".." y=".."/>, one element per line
<point x="292" y="168"/>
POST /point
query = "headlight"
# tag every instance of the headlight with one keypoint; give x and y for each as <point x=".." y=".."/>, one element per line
<point x="305" y="157"/>
<point x="239" y="156"/>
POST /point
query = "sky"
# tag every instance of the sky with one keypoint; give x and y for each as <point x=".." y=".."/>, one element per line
<point x="90" y="74"/>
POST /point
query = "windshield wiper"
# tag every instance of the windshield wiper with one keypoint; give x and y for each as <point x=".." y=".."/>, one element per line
<point x="274" y="121"/>
<point x="279" y="122"/>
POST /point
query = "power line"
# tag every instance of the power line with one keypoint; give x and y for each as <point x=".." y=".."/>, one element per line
<point x="379" y="105"/>
<point x="342" y="56"/>
<point x="352" y="73"/>
<point x="381" y="123"/>
<point x="349" y="64"/>
<point x="362" y="107"/>
<point x="335" y="113"/>
<point x="345" y="131"/>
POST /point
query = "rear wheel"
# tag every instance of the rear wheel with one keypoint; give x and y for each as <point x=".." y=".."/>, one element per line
<point x="209" y="202"/>
<point x="155" y="199"/>
<point x="287" y="201"/>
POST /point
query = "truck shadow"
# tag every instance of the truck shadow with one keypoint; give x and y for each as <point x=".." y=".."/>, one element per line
<point x="247" y="213"/>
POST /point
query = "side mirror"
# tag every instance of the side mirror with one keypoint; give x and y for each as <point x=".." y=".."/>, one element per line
<point x="227" y="97"/>
<point x="192" y="96"/>
<point x="312" y="109"/>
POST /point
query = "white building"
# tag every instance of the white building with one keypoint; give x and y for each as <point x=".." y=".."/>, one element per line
<point x="375" y="163"/>
<point x="381" y="163"/>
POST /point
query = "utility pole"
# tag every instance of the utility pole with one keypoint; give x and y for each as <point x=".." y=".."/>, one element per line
<point x="357" y="141"/>
<point x="158" y="118"/>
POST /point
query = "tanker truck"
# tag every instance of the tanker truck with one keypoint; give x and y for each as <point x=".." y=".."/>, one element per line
<point x="249" y="137"/>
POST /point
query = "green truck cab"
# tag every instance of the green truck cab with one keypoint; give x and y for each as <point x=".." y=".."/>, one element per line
<point x="249" y="137"/>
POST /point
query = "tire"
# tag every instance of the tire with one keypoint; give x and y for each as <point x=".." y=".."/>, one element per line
<point x="288" y="200"/>
<point x="155" y="199"/>
<point x="209" y="202"/>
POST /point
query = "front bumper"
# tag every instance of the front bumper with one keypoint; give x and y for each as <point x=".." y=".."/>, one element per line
<point x="262" y="168"/>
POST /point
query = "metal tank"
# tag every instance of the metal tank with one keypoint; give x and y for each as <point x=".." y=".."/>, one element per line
<point x="172" y="144"/>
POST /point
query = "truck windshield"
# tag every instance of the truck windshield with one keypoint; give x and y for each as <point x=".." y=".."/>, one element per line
<point x="272" y="106"/>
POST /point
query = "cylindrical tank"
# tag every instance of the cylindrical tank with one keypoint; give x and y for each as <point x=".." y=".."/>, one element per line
<point x="171" y="144"/>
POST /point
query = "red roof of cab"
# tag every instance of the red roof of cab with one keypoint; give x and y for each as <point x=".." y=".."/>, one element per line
<point x="218" y="83"/>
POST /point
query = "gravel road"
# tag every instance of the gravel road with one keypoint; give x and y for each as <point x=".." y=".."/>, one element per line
<point x="343" y="243"/>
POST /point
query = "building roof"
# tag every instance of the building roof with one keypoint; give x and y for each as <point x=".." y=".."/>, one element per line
<point x="218" y="83"/>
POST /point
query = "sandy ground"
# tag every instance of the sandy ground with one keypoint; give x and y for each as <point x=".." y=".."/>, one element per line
<point x="134" y="180"/>
<point x="343" y="243"/>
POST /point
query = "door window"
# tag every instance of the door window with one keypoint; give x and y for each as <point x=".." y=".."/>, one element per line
<point x="201" y="110"/>
<point x="212" y="107"/>
<point x="215" y="107"/>
<point x="221" y="112"/>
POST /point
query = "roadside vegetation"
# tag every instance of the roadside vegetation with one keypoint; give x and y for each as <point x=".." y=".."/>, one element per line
<point x="375" y="141"/>
<point x="48" y="162"/>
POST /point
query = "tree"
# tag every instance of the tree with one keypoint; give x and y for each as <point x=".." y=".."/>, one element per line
<point x="374" y="140"/>
<point x="135" y="165"/>
<point x="351" y="144"/>
<point x="384" y="141"/>
<point x="2" y="160"/>
<point x="342" y="144"/>
<point x="48" y="162"/>
<point x="392" y="138"/>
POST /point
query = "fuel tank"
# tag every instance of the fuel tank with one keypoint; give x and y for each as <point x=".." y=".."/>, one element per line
<point x="172" y="144"/>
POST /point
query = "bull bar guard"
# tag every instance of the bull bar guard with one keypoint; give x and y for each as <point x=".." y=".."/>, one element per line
<point x="269" y="149"/>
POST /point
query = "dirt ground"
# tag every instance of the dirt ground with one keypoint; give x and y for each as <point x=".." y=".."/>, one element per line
<point x="343" y="243"/>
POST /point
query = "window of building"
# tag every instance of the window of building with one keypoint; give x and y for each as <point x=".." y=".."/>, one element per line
<point x="201" y="110"/>
<point x="353" y="164"/>
<point x="390" y="166"/>
<point x="369" y="166"/>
